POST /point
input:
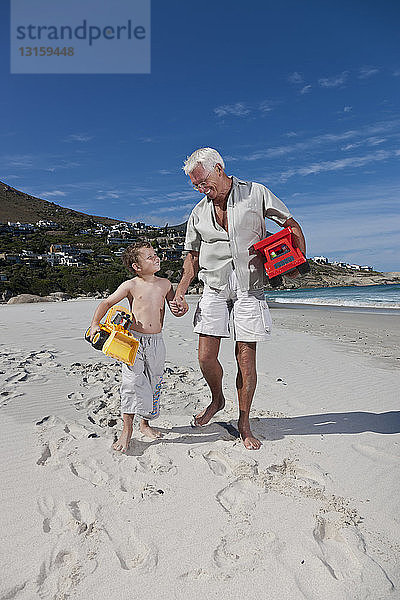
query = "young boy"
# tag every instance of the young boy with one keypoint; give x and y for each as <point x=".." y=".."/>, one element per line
<point x="146" y="294"/>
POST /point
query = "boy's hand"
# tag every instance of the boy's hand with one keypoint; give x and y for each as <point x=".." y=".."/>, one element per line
<point x="93" y="329"/>
<point x="179" y="306"/>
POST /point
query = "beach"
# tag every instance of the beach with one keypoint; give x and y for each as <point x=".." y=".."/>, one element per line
<point x="314" y="514"/>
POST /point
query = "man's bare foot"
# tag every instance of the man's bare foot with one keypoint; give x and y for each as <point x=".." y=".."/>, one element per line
<point x="204" y="417"/>
<point x="122" y="444"/>
<point x="150" y="432"/>
<point x="248" y="439"/>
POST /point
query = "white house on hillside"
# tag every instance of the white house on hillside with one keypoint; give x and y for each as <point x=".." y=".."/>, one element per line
<point x="321" y="260"/>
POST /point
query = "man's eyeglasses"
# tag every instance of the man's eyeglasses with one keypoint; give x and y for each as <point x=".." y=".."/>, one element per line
<point x="201" y="185"/>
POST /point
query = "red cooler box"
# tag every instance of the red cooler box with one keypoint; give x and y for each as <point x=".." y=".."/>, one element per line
<point x="280" y="255"/>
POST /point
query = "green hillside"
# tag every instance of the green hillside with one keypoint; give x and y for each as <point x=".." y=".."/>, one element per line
<point x="17" y="206"/>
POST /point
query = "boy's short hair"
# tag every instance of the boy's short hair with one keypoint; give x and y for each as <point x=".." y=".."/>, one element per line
<point x="131" y="254"/>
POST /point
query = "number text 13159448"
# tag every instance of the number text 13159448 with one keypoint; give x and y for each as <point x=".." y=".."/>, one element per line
<point x="46" y="51"/>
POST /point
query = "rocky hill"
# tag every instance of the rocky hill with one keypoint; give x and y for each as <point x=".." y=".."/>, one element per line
<point x="332" y="276"/>
<point x="18" y="206"/>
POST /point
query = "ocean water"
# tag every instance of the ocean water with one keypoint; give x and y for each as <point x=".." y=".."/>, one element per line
<point x="368" y="296"/>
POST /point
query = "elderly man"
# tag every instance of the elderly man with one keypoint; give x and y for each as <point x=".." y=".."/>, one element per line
<point x="221" y="229"/>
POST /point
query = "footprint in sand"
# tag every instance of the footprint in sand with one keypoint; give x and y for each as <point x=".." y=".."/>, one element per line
<point x="60" y="517"/>
<point x="46" y="454"/>
<point x="132" y="553"/>
<point x="155" y="460"/>
<point x="16" y="591"/>
<point x="72" y="526"/>
<point x="377" y="454"/>
<point x="60" y="574"/>
<point x="242" y="551"/>
<point x="289" y="478"/>
<point x="343" y="552"/>
<point x="91" y="471"/>
<point x="223" y="464"/>
<point x="240" y="496"/>
<point x="55" y="436"/>
<point x="26" y="368"/>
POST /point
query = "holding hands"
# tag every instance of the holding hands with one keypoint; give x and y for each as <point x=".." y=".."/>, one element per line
<point x="178" y="305"/>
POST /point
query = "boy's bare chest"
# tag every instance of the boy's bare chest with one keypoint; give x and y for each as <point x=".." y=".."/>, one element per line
<point x="149" y="294"/>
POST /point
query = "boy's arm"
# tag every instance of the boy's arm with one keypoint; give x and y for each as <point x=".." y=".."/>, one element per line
<point x="169" y="298"/>
<point x="120" y="293"/>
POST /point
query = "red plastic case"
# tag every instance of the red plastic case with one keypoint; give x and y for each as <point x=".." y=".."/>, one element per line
<point x="279" y="253"/>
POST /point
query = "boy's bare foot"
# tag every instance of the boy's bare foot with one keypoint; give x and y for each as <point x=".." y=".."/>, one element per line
<point x="149" y="431"/>
<point x="248" y="439"/>
<point x="122" y="444"/>
<point x="204" y="417"/>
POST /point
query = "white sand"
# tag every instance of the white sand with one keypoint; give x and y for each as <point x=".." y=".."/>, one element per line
<point x="314" y="514"/>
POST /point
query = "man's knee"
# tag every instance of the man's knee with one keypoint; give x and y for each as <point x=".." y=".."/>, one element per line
<point x="208" y="350"/>
<point x="246" y="359"/>
<point x="207" y="362"/>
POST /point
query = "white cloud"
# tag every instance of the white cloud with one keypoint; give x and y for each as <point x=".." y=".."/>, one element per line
<point x="351" y="146"/>
<point x="20" y="161"/>
<point x="366" y="72"/>
<point x="52" y="194"/>
<point x="391" y="128"/>
<point x="78" y="137"/>
<point x="306" y="89"/>
<point x="109" y="194"/>
<point x="372" y="141"/>
<point x="333" y="82"/>
<point x="266" y="106"/>
<point x="239" y="109"/>
<point x="347" y="108"/>
<point x="296" y="78"/>
<point x="243" y="109"/>
<point x="336" y="165"/>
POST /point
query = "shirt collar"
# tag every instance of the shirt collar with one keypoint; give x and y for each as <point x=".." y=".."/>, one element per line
<point x="235" y="183"/>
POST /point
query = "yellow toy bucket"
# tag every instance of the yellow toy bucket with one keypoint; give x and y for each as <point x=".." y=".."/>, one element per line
<point x="115" y="339"/>
<point x="121" y="346"/>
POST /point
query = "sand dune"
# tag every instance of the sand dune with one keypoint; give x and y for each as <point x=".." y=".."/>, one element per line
<point x="313" y="514"/>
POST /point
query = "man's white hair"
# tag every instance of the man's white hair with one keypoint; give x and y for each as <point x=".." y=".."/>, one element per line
<point x="206" y="157"/>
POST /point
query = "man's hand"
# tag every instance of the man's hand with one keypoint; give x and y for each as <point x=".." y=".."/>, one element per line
<point x="178" y="305"/>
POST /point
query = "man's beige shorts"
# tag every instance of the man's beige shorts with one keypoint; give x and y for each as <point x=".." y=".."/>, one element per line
<point x="251" y="319"/>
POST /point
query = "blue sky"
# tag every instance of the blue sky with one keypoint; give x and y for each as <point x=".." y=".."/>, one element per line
<point x="301" y="96"/>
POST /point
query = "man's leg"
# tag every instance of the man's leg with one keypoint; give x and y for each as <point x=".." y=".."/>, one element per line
<point x="212" y="373"/>
<point x="246" y="381"/>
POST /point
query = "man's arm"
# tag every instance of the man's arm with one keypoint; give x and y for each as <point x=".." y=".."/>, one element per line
<point x="299" y="240"/>
<point x="169" y="298"/>
<point x="178" y="305"/>
<point x="297" y="233"/>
